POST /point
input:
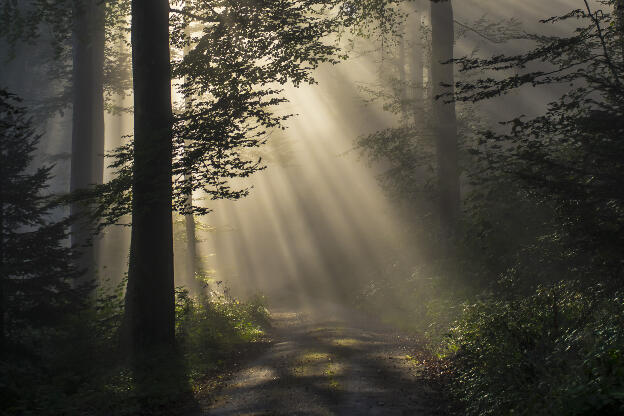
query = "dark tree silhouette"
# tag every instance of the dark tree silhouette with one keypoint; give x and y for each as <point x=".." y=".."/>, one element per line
<point x="444" y="116"/>
<point x="38" y="280"/>
<point x="87" y="156"/>
<point x="150" y="296"/>
<point x="571" y="156"/>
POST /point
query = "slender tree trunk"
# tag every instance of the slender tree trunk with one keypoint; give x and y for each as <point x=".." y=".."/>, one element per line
<point x="444" y="117"/>
<point x="619" y="17"/>
<point x="417" y="73"/>
<point x="87" y="158"/>
<point x="115" y="243"/>
<point x="150" y="299"/>
<point x="402" y="77"/>
<point x="3" y="274"/>
<point x="189" y="222"/>
<point x="191" y="247"/>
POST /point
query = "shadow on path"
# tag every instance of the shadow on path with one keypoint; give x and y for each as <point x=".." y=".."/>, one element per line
<point x="328" y="366"/>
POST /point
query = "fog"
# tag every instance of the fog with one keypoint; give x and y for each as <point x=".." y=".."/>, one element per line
<point x="316" y="223"/>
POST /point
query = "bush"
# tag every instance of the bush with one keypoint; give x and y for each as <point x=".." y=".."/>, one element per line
<point x="209" y="328"/>
<point x="64" y="369"/>
<point x="557" y="351"/>
<point x="78" y="368"/>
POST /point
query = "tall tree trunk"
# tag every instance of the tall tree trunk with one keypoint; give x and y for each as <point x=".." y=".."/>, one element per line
<point x="619" y="17"/>
<point x="115" y="243"/>
<point x="114" y="247"/>
<point x="402" y="77"/>
<point x="444" y="117"/>
<point x="191" y="245"/>
<point x="150" y="295"/>
<point x="87" y="158"/>
<point x="189" y="222"/>
<point x="417" y="72"/>
<point x="3" y="273"/>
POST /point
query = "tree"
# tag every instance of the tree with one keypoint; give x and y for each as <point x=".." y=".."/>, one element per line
<point x="87" y="156"/>
<point x="408" y="148"/>
<point x="191" y="259"/>
<point x="37" y="286"/>
<point x="245" y="52"/>
<point x="444" y="116"/>
<point x="90" y="68"/>
<point x="150" y="295"/>
<point x="570" y="157"/>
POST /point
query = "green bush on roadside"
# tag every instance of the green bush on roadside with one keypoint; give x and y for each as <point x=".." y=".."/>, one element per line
<point x="557" y="351"/>
<point x="210" y="328"/>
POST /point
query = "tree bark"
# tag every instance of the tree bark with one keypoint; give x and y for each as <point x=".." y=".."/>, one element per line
<point x="190" y="226"/>
<point x="191" y="248"/>
<point x="150" y="302"/>
<point x="417" y="72"/>
<point x="3" y="274"/>
<point x="402" y="77"/>
<point x="619" y="18"/>
<point x="87" y="158"/>
<point x="444" y="116"/>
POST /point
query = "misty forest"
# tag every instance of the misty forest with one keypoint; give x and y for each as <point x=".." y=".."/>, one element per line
<point x="311" y="207"/>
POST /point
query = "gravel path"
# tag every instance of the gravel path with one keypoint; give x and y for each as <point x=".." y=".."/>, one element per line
<point x="327" y="366"/>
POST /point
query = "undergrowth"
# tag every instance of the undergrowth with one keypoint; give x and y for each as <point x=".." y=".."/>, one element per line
<point x="556" y="351"/>
<point x="79" y="367"/>
<point x="209" y="328"/>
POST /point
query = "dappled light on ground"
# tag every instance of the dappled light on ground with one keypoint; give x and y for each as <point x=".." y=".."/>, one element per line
<point x="320" y="365"/>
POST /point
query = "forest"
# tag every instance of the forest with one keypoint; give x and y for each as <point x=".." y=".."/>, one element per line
<point x="311" y="207"/>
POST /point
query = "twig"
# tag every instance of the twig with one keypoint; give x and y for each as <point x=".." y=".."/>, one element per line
<point x="465" y="26"/>
<point x="603" y="43"/>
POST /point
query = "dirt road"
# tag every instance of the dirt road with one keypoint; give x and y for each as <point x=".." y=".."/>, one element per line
<point x="327" y="366"/>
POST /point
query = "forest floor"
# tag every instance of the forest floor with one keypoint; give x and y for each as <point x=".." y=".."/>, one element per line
<point x="318" y="364"/>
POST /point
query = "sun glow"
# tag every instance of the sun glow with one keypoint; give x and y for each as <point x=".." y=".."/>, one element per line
<point x="317" y="224"/>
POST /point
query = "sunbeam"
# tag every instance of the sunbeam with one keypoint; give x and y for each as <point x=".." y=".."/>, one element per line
<point x="311" y="207"/>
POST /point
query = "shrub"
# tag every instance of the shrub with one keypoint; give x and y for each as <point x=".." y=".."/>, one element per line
<point x="77" y="366"/>
<point x="209" y="328"/>
<point x="557" y="351"/>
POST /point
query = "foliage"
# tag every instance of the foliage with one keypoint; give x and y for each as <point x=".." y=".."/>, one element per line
<point x="541" y="234"/>
<point x="39" y="286"/>
<point x="233" y="80"/>
<point x="209" y="328"/>
<point x="77" y="367"/>
<point x="557" y="351"/>
<point x="47" y="27"/>
<point x="69" y="368"/>
<point x="571" y="156"/>
<point x="238" y="57"/>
